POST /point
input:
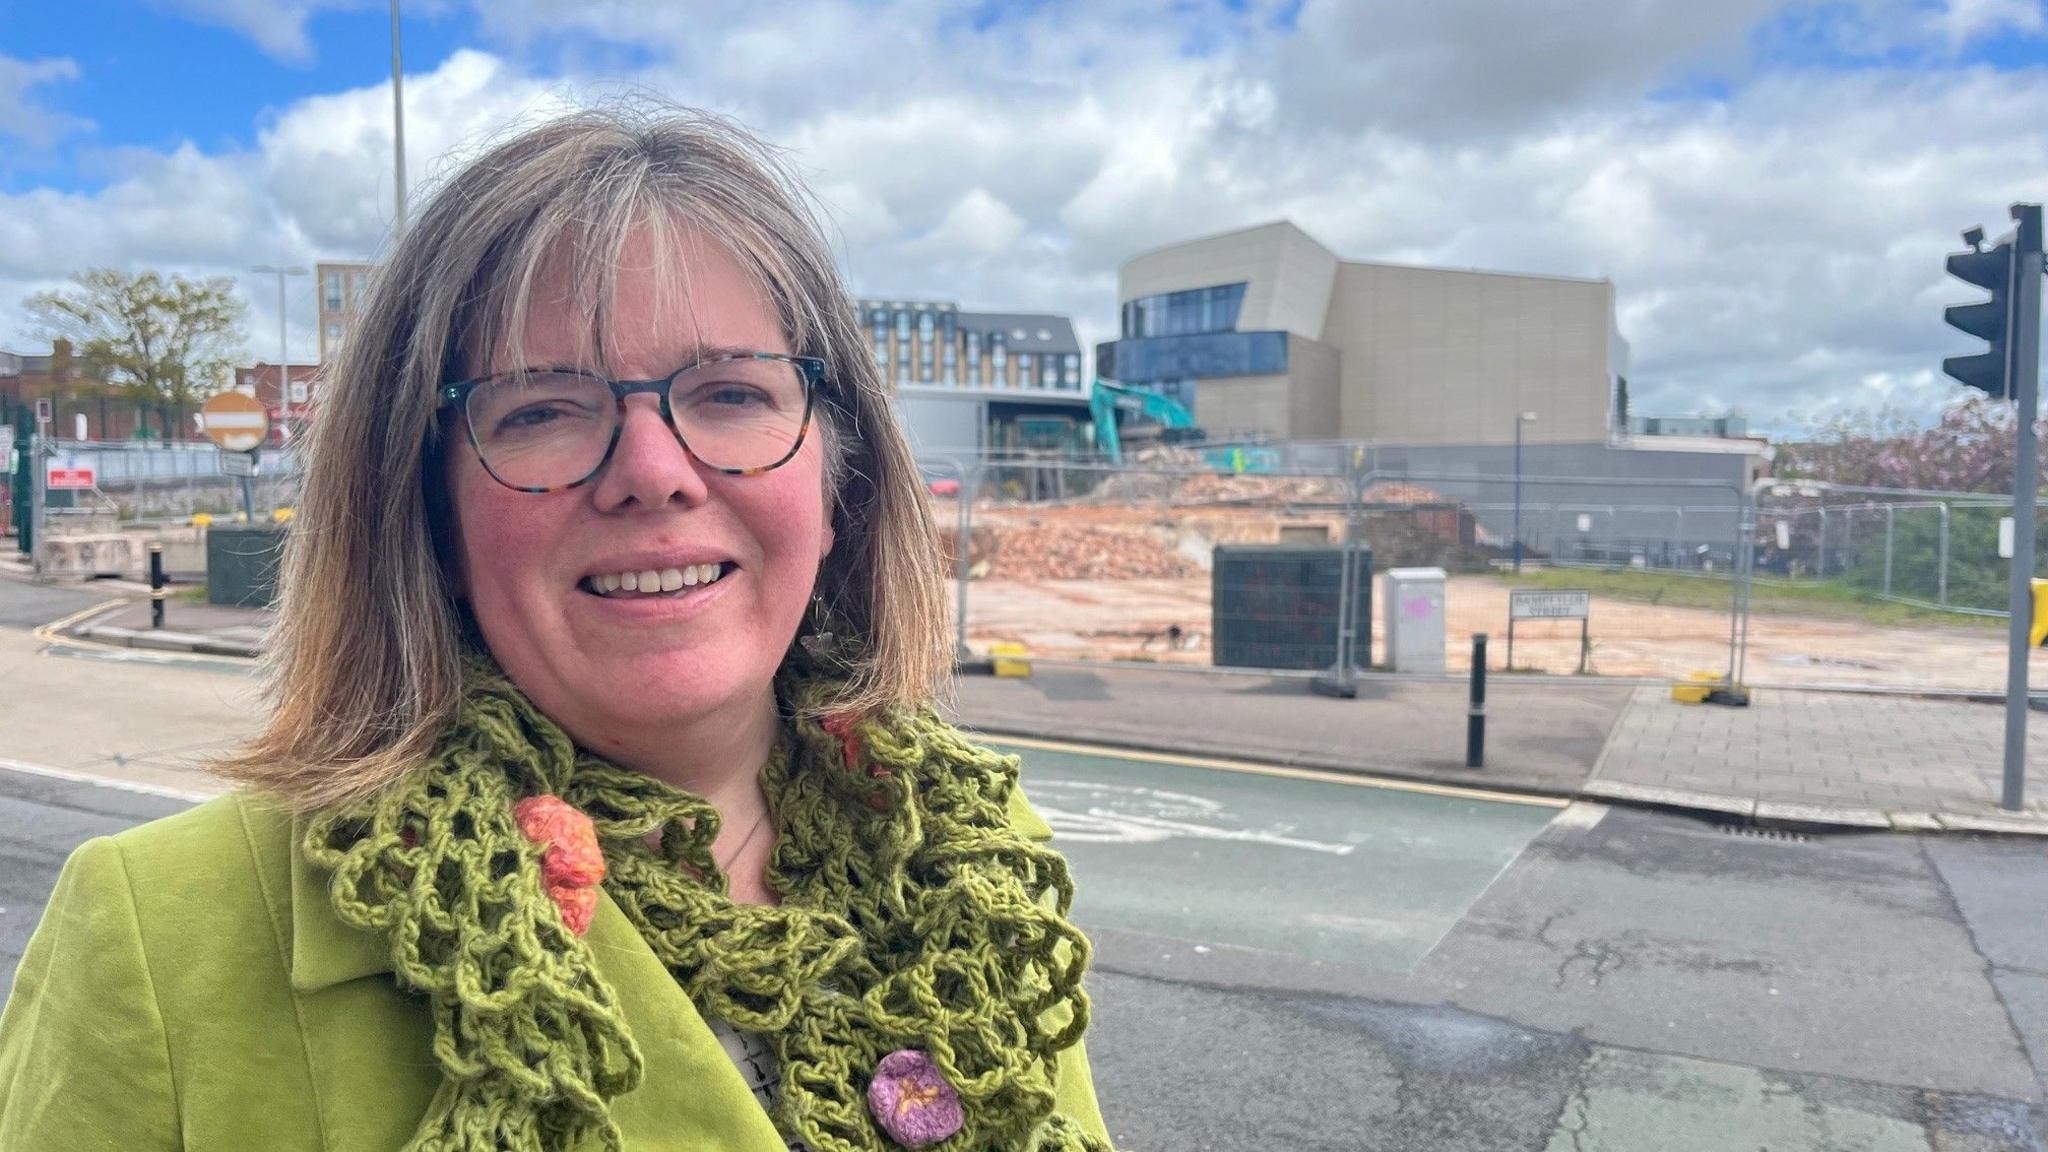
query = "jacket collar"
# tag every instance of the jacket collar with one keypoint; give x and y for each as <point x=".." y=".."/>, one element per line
<point x="325" y="951"/>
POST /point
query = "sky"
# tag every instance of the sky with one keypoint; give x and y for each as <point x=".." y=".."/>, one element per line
<point x="1770" y="184"/>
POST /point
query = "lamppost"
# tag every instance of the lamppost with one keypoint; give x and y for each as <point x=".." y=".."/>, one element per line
<point x="284" y="360"/>
<point x="397" y="122"/>
<point x="1521" y="418"/>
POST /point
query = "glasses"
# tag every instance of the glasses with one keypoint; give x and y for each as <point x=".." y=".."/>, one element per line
<point x="546" y="429"/>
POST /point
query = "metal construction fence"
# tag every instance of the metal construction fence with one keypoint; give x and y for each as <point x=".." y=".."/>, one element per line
<point x="1280" y="566"/>
<point x="145" y="483"/>
<point x="1276" y="561"/>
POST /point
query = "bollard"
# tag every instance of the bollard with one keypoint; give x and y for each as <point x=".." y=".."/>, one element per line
<point x="157" y="592"/>
<point x="1475" y="718"/>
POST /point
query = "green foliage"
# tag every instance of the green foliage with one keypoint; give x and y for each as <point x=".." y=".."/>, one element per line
<point x="1977" y="577"/>
<point x="166" y="343"/>
<point x="1817" y="598"/>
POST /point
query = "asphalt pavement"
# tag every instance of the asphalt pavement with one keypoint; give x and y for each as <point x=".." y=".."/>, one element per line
<point x="1291" y="959"/>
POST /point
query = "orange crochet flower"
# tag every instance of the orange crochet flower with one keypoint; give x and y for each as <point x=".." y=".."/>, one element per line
<point x="571" y="864"/>
<point x="842" y="725"/>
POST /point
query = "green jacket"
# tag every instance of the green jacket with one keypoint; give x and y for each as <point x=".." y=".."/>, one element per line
<point x="190" y="987"/>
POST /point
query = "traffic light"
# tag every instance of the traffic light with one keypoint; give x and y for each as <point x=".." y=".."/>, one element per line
<point x="1990" y="321"/>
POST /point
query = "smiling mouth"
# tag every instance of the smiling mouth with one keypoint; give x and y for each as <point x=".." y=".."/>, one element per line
<point x="655" y="582"/>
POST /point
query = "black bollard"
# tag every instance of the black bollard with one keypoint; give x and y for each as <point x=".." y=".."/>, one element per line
<point x="1475" y="718"/>
<point x="157" y="592"/>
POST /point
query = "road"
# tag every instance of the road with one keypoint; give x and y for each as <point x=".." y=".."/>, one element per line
<point x="1294" y="961"/>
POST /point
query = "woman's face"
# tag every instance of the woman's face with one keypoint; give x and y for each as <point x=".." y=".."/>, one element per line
<point x="615" y="669"/>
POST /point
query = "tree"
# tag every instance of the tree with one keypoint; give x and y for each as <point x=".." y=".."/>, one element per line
<point x="166" y="343"/>
<point x="1968" y="450"/>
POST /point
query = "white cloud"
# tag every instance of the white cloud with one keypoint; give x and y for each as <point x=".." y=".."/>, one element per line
<point x="23" y="118"/>
<point x="1964" y="21"/>
<point x="1777" y="250"/>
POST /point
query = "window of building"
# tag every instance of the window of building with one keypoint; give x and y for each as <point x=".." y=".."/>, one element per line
<point x="974" y="357"/>
<point x="1024" y="377"/>
<point x="924" y="363"/>
<point x="1070" y="370"/>
<point x="1199" y="357"/>
<point x="997" y="356"/>
<point x="1187" y="313"/>
<point x="1049" y="371"/>
<point x="882" y="349"/>
<point x="902" y="324"/>
<point x="333" y="337"/>
<point x="358" y="284"/>
<point x="330" y="292"/>
<point x="951" y="361"/>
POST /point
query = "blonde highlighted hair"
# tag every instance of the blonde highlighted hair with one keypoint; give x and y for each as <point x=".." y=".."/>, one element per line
<point x="364" y="662"/>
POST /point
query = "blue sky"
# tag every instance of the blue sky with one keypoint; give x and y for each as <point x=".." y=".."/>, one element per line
<point x="151" y="78"/>
<point x="1769" y="183"/>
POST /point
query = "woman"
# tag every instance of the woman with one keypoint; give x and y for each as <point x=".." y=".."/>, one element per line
<point x="602" y="804"/>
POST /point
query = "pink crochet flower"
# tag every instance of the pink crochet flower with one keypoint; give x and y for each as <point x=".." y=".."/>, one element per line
<point x="912" y="1101"/>
<point x="571" y="863"/>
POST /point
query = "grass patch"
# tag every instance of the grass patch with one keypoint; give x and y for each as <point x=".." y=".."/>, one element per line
<point x="1824" y="598"/>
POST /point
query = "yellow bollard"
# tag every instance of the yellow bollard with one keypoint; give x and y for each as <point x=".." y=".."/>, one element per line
<point x="2039" y="631"/>
<point x="1009" y="660"/>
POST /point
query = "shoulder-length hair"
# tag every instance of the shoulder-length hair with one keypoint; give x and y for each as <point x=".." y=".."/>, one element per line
<point x="364" y="663"/>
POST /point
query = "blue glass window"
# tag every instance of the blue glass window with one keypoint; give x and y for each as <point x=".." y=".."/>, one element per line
<point x="1196" y="357"/>
<point x="1186" y="313"/>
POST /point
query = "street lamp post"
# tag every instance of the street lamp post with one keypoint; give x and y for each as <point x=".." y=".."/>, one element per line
<point x="397" y="123"/>
<point x="284" y="360"/>
<point x="1521" y="418"/>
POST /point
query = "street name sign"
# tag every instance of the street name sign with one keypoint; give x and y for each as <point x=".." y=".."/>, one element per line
<point x="1541" y="604"/>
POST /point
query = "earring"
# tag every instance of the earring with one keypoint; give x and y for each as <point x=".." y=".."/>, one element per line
<point x="825" y="637"/>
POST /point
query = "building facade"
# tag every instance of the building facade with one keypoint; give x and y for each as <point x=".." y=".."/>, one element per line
<point x="1477" y="385"/>
<point x="287" y="412"/>
<point x="1264" y="332"/>
<point x="83" y="408"/>
<point x="976" y="382"/>
<point x="339" y="288"/>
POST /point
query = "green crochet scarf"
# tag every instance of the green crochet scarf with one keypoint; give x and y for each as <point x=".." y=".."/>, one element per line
<point x="912" y="917"/>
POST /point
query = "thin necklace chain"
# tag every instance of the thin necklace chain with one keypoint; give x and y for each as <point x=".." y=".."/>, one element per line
<point x="759" y="822"/>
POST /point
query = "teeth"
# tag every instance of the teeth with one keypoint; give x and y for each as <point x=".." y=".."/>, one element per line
<point x="651" y="580"/>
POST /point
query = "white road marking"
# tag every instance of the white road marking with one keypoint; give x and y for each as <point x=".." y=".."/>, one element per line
<point x="76" y="777"/>
<point x="1097" y="813"/>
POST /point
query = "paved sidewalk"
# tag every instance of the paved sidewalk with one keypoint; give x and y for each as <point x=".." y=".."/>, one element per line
<point x="1540" y="737"/>
<point x="1792" y="757"/>
<point x="1826" y="757"/>
<point x="189" y="626"/>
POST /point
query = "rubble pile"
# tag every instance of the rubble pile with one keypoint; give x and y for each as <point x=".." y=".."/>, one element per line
<point x="1040" y="551"/>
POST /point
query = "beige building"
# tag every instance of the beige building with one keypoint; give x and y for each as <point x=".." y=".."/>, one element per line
<point x="1265" y="332"/>
<point x="976" y="382"/>
<point x="339" y="289"/>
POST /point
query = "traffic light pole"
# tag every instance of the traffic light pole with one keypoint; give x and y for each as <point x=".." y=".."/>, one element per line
<point x="2025" y="368"/>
